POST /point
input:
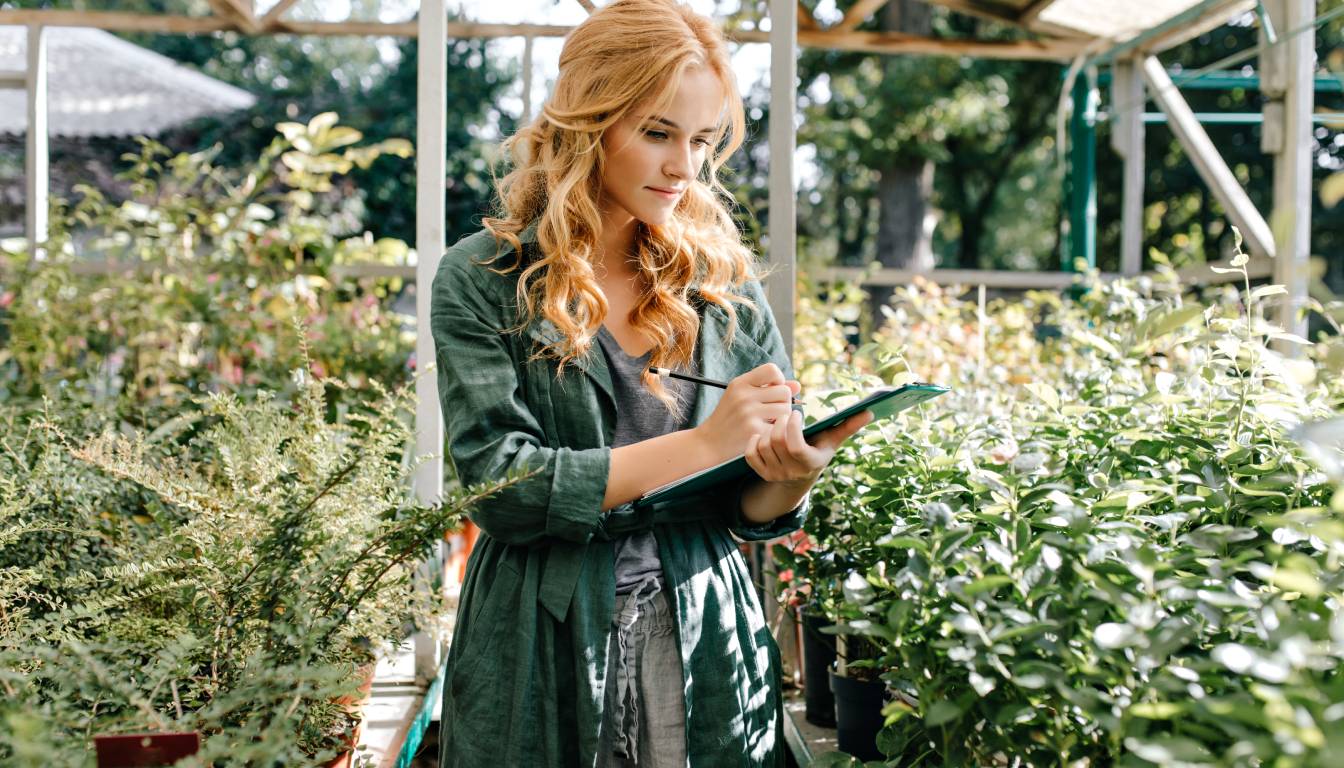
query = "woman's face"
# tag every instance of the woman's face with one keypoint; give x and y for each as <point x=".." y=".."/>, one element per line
<point x="652" y="158"/>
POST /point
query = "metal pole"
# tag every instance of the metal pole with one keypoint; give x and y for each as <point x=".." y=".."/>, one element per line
<point x="1211" y="165"/>
<point x="36" y="159"/>
<point x="430" y="162"/>
<point x="1083" y="171"/>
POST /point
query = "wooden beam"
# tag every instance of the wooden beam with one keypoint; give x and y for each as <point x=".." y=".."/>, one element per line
<point x="277" y="11"/>
<point x="1007" y="16"/>
<point x="805" y="18"/>
<point x="1207" y="160"/>
<point x="871" y="42"/>
<point x="1027" y="15"/>
<point x="974" y="8"/>
<point x="118" y="21"/>
<point x="238" y="10"/>
<point x="857" y="14"/>
<point x="588" y="6"/>
<point x="896" y="42"/>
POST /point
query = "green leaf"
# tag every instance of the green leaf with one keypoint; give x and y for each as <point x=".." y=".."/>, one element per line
<point x="1125" y="500"/>
<point x="1157" y="710"/>
<point x="1045" y="393"/>
<point x="987" y="584"/>
<point x="835" y="760"/>
<point x="1160" y="325"/>
<point x="1268" y="290"/>
<point x="1166" y="750"/>
<point x="941" y="712"/>
<point x="1332" y="189"/>
<point x="1102" y="345"/>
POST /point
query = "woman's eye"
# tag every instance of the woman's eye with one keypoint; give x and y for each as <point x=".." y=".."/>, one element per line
<point x="702" y="142"/>
<point x="655" y="134"/>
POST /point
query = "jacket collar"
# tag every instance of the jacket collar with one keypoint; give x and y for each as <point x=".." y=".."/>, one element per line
<point x="716" y="361"/>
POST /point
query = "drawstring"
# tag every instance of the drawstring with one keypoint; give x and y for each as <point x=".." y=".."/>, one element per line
<point x="628" y="699"/>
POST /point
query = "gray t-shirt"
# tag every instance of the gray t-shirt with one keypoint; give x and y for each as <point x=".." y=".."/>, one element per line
<point x="640" y="416"/>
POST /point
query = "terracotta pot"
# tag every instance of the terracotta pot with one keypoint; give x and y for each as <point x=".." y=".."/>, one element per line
<point x="355" y="706"/>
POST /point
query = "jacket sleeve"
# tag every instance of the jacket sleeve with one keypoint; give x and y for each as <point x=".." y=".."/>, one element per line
<point x="762" y="328"/>
<point x="490" y="430"/>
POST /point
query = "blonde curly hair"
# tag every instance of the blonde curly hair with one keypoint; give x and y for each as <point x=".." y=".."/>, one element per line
<point x="628" y="54"/>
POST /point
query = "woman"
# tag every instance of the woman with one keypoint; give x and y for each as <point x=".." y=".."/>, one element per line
<point x="590" y="633"/>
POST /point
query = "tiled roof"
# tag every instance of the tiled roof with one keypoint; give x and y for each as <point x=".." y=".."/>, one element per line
<point x="101" y="85"/>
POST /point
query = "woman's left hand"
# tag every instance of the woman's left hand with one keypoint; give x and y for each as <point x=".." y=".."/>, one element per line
<point x="782" y="455"/>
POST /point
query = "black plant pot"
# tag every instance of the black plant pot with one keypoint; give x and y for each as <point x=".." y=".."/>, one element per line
<point x="818" y="656"/>
<point x="858" y="715"/>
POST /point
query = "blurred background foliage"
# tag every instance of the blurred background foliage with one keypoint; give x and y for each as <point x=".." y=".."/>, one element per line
<point x="922" y="160"/>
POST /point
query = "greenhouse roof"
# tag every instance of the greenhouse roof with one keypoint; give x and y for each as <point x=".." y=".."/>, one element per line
<point x="1107" y="20"/>
<point x="101" y="85"/>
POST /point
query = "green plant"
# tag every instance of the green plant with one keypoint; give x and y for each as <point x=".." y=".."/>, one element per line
<point x="223" y="260"/>
<point x="278" y="556"/>
<point x="1121" y="559"/>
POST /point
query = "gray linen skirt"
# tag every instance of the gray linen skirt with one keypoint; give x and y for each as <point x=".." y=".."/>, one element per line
<point x="644" y="712"/>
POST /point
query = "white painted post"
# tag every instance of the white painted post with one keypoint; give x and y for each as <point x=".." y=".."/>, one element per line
<point x="780" y="285"/>
<point x="1127" y="139"/>
<point x="1287" y="80"/>
<point x="527" y="81"/>
<point x="430" y="138"/>
<point x="783" y="140"/>
<point x="36" y="159"/>
<point x="1211" y="165"/>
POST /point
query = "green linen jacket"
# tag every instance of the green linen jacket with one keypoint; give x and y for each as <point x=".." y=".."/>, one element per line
<point x="527" y="663"/>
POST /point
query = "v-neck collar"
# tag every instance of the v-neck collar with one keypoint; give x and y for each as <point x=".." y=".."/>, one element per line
<point x="602" y="329"/>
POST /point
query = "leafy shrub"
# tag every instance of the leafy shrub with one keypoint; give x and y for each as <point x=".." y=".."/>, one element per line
<point x="1102" y="547"/>
<point x="279" y="553"/>
<point x="225" y="260"/>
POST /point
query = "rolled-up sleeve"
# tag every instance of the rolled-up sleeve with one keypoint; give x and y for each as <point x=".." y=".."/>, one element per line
<point x="491" y="432"/>
<point x="763" y="329"/>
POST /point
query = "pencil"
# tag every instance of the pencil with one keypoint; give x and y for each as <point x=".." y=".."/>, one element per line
<point x="668" y="372"/>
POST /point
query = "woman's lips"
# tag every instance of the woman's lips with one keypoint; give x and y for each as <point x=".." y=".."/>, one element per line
<point x="664" y="193"/>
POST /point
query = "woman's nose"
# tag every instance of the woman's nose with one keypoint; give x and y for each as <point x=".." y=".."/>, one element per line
<point x="680" y="165"/>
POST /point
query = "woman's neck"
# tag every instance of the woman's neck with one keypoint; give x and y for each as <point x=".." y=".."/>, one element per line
<point x="615" y="244"/>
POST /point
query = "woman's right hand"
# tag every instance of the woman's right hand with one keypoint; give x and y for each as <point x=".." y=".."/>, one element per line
<point x="750" y="405"/>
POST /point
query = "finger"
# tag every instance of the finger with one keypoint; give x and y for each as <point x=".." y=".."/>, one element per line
<point x="766" y="447"/>
<point x="833" y="437"/>
<point x="764" y="374"/>
<point x="794" y="386"/>
<point x="773" y="413"/>
<point x="797" y="444"/>
<point x="774" y="393"/>
<point x="792" y="462"/>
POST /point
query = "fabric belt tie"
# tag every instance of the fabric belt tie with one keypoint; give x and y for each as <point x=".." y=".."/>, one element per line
<point x="565" y="560"/>
<point x="627" y="708"/>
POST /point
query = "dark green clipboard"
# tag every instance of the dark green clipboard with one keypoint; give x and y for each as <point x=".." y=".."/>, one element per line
<point x="882" y="402"/>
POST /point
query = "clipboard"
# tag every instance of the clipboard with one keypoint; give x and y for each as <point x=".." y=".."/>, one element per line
<point x="883" y="402"/>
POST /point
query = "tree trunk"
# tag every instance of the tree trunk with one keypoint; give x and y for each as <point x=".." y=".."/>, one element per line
<point x="904" y="230"/>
